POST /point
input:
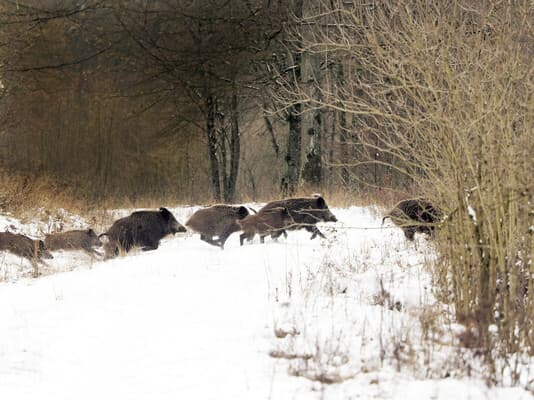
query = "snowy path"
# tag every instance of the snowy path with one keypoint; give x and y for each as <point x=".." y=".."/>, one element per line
<point x="190" y="321"/>
<point x="153" y="326"/>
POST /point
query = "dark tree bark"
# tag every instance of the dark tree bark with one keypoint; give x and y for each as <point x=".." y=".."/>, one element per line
<point x="290" y="180"/>
<point x="344" y="156"/>
<point x="270" y="129"/>
<point x="331" y="146"/>
<point x="224" y="146"/>
<point x="235" y="151"/>
<point x="212" y="147"/>
<point x="313" y="168"/>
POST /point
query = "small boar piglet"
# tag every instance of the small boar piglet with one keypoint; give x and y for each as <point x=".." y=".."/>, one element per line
<point x="84" y="239"/>
<point x="271" y="221"/>
<point x="24" y="246"/>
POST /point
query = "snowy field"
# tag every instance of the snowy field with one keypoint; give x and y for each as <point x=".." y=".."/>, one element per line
<point x="350" y="317"/>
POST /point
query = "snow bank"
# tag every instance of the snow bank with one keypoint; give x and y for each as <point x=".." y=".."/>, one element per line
<point x="295" y="319"/>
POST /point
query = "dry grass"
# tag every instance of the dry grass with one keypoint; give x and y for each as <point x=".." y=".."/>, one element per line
<point x="21" y="192"/>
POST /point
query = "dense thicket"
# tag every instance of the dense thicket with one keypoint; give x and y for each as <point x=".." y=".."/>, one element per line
<point x="443" y="93"/>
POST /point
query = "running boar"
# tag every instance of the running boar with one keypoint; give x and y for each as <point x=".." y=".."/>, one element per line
<point x="306" y="212"/>
<point x="272" y="221"/>
<point x="415" y="215"/>
<point x="141" y="228"/>
<point x="219" y="220"/>
<point x="23" y="246"/>
<point x="73" y="240"/>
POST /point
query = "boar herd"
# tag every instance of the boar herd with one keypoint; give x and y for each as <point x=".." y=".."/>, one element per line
<point x="215" y="224"/>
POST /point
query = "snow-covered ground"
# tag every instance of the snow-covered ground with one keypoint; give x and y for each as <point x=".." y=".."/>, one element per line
<point x="349" y="317"/>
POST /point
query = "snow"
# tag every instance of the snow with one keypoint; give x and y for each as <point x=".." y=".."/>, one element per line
<point x="272" y="321"/>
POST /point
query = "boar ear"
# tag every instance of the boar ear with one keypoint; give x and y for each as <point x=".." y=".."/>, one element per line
<point x="242" y="212"/>
<point x="320" y="202"/>
<point x="41" y="245"/>
<point x="166" y="213"/>
<point x="90" y="231"/>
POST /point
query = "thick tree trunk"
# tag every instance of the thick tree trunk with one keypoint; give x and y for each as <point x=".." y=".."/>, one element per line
<point x="212" y="147"/>
<point x="313" y="168"/>
<point x="291" y="178"/>
<point x="312" y="77"/>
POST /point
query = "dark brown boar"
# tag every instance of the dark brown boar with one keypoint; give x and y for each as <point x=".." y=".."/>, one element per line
<point x="219" y="220"/>
<point x="415" y="215"/>
<point x="141" y="228"/>
<point x="272" y="221"/>
<point x="73" y="240"/>
<point x="306" y="212"/>
<point x="24" y="246"/>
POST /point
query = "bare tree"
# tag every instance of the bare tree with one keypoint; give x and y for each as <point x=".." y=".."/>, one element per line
<point x="205" y="49"/>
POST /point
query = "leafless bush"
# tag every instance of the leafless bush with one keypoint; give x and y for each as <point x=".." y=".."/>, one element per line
<point x="443" y="94"/>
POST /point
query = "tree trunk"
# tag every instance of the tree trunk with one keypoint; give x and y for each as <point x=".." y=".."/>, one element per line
<point x="313" y="168"/>
<point x="270" y="129"/>
<point x="343" y="133"/>
<point x="212" y="147"/>
<point x="312" y="78"/>
<point x="331" y="146"/>
<point x="290" y="180"/>
<point x="235" y="151"/>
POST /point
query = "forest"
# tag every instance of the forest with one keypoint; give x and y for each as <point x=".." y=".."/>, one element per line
<point x="190" y="100"/>
<point x="131" y="103"/>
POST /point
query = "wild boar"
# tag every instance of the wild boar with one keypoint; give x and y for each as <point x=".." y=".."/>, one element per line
<point x="141" y="228"/>
<point x="415" y="215"/>
<point x="272" y="221"/>
<point x="306" y="212"/>
<point x="219" y="220"/>
<point x="24" y="246"/>
<point x="73" y="240"/>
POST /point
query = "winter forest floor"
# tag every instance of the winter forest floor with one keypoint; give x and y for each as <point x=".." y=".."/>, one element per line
<point x="353" y="316"/>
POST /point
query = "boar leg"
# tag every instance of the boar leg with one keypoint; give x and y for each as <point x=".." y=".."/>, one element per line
<point x="409" y="232"/>
<point x="428" y="230"/>
<point x="223" y="237"/>
<point x="110" y="250"/>
<point x="315" y="231"/>
<point x="209" y="239"/>
<point x="276" y="234"/>
<point x="244" y="236"/>
<point x="92" y="252"/>
<point x="150" y="245"/>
